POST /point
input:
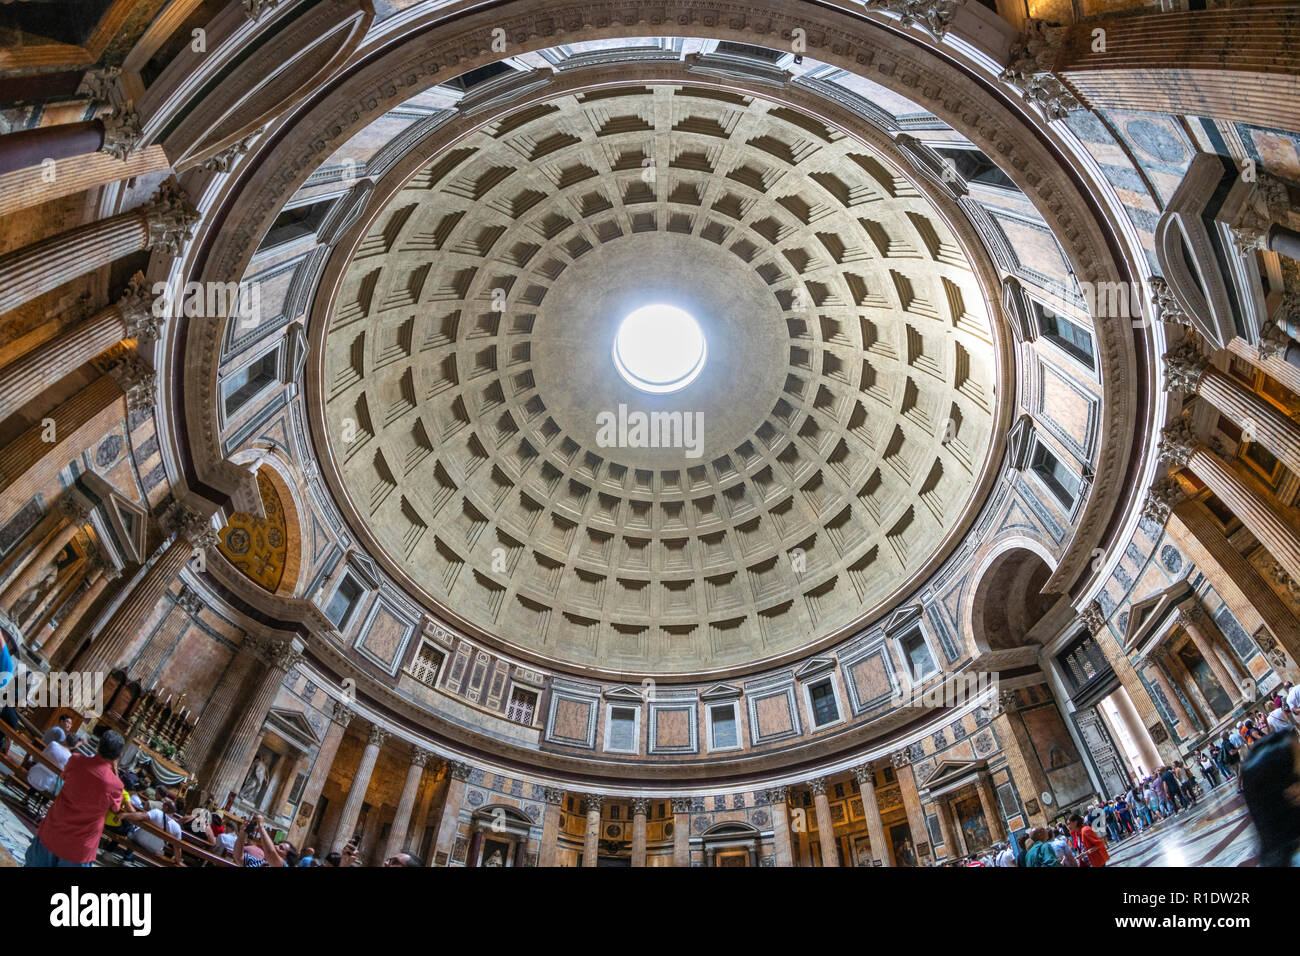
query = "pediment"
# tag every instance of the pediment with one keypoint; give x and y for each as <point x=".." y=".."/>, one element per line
<point x="721" y="692"/>
<point x="293" y="726"/>
<point x="813" y="667"/>
<point x="949" y="771"/>
<point x="903" y="617"/>
<point x="120" y="524"/>
<point x="624" y="693"/>
<point x="1146" y="618"/>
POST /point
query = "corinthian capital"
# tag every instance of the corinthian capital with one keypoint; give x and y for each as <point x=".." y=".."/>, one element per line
<point x="1162" y="498"/>
<point x="168" y="218"/>
<point x="1185" y="366"/>
<point x="377" y="736"/>
<point x="1030" y="71"/>
<point x="341" y="713"/>
<point x="193" y="527"/>
<point x="1177" y="443"/>
<point x="459" y="770"/>
<point x="1166" y="303"/>
<point x="420" y="757"/>
<point x="278" y="653"/>
<point x="1273" y="342"/>
<point x="138" y="381"/>
<point x="137" y="308"/>
<point x="1093" y="617"/>
<point x="935" y="15"/>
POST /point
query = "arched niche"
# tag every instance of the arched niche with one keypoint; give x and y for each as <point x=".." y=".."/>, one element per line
<point x="1009" y="599"/>
<point x="267" y="550"/>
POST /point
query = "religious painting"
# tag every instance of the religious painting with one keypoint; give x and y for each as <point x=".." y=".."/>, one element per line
<point x="862" y="850"/>
<point x="900" y="835"/>
<point x="974" y="826"/>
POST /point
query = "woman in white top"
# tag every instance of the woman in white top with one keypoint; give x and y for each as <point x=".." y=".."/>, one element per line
<point x="41" y="777"/>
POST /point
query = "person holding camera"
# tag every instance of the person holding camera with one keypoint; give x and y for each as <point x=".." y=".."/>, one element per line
<point x="254" y="847"/>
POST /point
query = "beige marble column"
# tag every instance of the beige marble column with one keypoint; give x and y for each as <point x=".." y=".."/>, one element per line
<point x="591" y="836"/>
<point x="130" y="317"/>
<point x="448" y="822"/>
<point x="406" y="802"/>
<point x="1189" y="371"/>
<point x="340" y="716"/>
<point x="681" y="831"/>
<point x="1268" y="356"/>
<point x="825" y="826"/>
<point x="1197" y="625"/>
<point x="357" y="791"/>
<point x="1275" y="530"/>
<point x="866" y="777"/>
<point x="779" y="806"/>
<point x="902" y="762"/>
<point x="52" y="649"/>
<point x="278" y="658"/>
<point x="1186" y="727"/>
<point x="549" y="853"/>
<point x="989" y="803"/>
<point x="193" y="534"/>
<point x="946" y="829"/>
<point x="1133" y="724"/>
<point x="640" y="808"/>
<point x="162" y="225"/>
<point x="1184" y="681"/>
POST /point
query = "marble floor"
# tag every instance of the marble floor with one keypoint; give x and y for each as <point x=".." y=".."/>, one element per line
<point x="1215" y="832"/>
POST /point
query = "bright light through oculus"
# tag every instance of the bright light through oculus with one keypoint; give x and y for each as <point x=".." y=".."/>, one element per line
<point x="659" y="348"/>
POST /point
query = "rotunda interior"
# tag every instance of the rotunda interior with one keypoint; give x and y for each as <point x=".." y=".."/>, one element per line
<point x="666" y="433"/>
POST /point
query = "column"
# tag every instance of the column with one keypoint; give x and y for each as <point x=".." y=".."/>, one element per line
<point x="406" y="802"/>
<point x="1187" y="370"/>
<point x="340" y="716"/>
<point x="34" y="459"/>
<point x="279" y="658"/>
<point x="32" y="147"/>
<point x="549" y="853"/>
<point x="1250" y="598"/>
<point x="99" y="577"/>
<point x="1184" y="681"/>
<point x="989" y="803"/>
<point x="902" y="762"/>
<point x="825" y="826"/>
<point x="681" y="831"/>
<point x="591" y="836"/>
<point x="130" y="317"/>
<point x="866" y="777"/>
<point x="76" y="516"/>
<point x="1274" y="529"/>
<point x="280" y="805"/>
<point x="1270" y="355"/>
<point x="1024" y="766"/>
<point x="1157" y="672"/>
<point x="944" y="813"/>
<point x="447" y="824"/>
<point x="640" y="807"/>
<point x="1197" y="625"/>
<point x="194" y="534"/>
<point x="357" y="791"/>
<point x="1133" y="724"/>
<point x="163" y="225"/>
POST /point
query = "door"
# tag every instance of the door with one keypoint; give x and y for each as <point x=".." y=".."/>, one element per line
<point x="1106" y="758"/>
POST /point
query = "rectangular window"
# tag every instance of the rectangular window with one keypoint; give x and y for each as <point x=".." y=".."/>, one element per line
<point x="824" y="709"/>
<point x="621" y="733"/>
<point x="725" y="732"/>
<point x="343" y="601"/>
<point x="243" y="385"/>
<point x="1066" y="333"/>
<point x="917" y="652"/>
<point x="427" y="664"/>
<point x="1059" y="479"/>
<point x="522" y="707"/>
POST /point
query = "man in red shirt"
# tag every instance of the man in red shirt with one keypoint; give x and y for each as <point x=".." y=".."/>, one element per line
<point x="69" y="834"/>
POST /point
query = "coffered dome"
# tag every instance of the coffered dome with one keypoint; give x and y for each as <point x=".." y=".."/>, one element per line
<point x="821" y="461"/>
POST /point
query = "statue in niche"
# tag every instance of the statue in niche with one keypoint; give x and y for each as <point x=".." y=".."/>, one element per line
<point x="495" y="859"/>
<point x="254" y="782"/>
<point x="33" y="596"/>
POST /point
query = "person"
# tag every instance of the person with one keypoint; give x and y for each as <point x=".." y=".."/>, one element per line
<point x="1279" y="719"/>
<point x="60" y="730"/>
<point x="308" y="857"/>
<point x="162" y="817"/>
<point x="1270" y="784"/>
<point x="1172" y="787"/>
<point x="1208" y="770"/>
<point x="404" y="859"/>
<point x="1292" y="696"/>
<point x="1087" y="844"/>
<point x="40" y="776"/>
<point x="253" y="846"/>
<point x="8" y="713"/>
<point x="1060" y="840"/>
<point x="69" y="834"/>
<point x="1041" y="852"/>
<point x="1226" y="756"/>
<point x="1007" y="856"/>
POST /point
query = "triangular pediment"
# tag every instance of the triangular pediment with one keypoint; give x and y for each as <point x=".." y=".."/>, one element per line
<point x="949" y="770"/>
<point x="624" y="693"/>
<point x="120" y="524"/>
<point x="365" y="567"/>
<point x="293" y="726"/>
<point x="1147" y="618"/>
<point x="721" y="692"/>
<point x="903" y="617"/>
<point x="813" y="667"/>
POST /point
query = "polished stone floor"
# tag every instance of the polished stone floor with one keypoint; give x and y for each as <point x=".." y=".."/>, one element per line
<point x="1215" y="832"/>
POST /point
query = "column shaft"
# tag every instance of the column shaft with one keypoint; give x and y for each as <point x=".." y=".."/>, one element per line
<point x="1197" y="626"/>
<point x="912" y="807"/>
<point x="50" y="649"/>
<point x="1133" y="724"/>
<point x="357" y="791"/>
<point x="825" y="826"/>
<point x="405" y="804"/>
<point x="320" y="770"/>
<point x="591" y="836"/>
<point x="944" y="813"/>
<point x="681" y="833"/>
<point x="25" y="378"/>
<point x="449" y="821"/>
<point x="989" y="803"/>
<point x="871" y="810"/>
<point x="640" y="808"/>
<point x="549" y="853"/>
<point x="1186" y="727"/>
<point x="1257" y="418"/>
<point x="36" y="269"/>
<point x="36" y="567"/>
